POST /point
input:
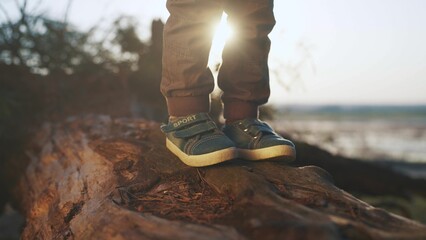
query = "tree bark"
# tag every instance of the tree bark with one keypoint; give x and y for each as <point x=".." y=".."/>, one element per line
<point x="100" y="178"/>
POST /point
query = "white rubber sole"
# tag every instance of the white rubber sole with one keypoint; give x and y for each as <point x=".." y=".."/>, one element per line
<point x="203" y="159"/>
<point x="280" y="152"/>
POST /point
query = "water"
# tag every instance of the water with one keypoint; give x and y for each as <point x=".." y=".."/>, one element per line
<point x="376" y="133"/>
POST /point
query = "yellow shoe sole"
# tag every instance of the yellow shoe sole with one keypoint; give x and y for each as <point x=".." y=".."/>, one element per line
<point x="203" y="160"/>
<point x="279" y="152"/>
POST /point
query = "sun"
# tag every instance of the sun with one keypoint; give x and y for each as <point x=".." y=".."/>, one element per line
<point x="222" y="33"/>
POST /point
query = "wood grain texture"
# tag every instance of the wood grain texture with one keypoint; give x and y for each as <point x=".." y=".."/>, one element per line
<point x="100" y="178"/>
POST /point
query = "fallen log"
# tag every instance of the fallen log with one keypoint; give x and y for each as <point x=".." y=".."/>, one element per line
<point x="100" y="178"/>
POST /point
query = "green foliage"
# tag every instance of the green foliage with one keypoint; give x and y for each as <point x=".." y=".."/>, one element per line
<point x="48" y="46"/>
<point x="56" y="50"/>
<point x="126" y="36"/>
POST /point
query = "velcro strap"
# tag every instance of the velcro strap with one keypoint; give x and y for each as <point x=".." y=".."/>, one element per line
<point x="195" y="130"/>
<point x="250" y="122"/>
<point x="254" y="127"/>
<point x="257" y="129"/>
<point x="260" y="128"/>
<point x="185" y="122"/>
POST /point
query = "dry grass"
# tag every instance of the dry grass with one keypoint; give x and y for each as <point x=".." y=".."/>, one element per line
<point x="181" y="199"/>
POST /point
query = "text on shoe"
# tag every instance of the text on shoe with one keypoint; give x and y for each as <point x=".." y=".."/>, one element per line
<point x="184" y="120"/>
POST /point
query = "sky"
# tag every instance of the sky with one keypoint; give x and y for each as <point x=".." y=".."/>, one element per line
<point x="323" y="52"/>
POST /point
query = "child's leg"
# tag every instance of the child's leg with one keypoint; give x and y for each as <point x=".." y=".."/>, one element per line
<point x="244" y="78"/>
<point x="244" y="75"/>
<point x="186" y="79"/>
<point x="187" y="83"/>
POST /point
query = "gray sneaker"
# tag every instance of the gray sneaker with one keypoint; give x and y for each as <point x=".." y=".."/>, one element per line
<point x="255" y="140"/>
<point x="197" y="141"/>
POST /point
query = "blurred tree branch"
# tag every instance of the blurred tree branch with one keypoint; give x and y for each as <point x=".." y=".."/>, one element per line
<point x="294" y="70"/>
<point x="67" y="11"/>
<point x="6" y="14"/>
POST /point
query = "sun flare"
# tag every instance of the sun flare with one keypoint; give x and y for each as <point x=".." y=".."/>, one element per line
<point x="222" y="33"/>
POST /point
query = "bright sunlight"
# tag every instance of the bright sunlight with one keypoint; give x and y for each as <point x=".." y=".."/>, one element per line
<point x="223" y="32"/>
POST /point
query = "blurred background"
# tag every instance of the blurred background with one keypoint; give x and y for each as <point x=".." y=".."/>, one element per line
<point x="347" y="76"/>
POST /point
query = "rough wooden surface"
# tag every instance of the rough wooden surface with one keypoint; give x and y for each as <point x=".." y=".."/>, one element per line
<point x="102" y="178"/>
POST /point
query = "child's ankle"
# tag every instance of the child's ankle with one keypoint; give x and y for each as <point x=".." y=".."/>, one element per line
<point x="231" y="121"/>
<point x="239" y="110"/>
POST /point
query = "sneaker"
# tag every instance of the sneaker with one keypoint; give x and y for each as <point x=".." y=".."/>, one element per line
<point x="255" y="140"/>
<point x="197" y="141"/>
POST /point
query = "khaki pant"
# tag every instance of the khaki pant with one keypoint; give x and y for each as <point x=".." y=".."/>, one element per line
<point x="244" y="74"/>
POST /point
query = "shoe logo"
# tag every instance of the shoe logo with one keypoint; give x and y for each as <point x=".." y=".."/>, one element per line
<point x="184" y="121"/>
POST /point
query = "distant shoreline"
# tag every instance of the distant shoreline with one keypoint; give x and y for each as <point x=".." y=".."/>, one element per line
<point x="388" y="134"/>
<point x="412" y="169"/>
<point x="347" y="108"/>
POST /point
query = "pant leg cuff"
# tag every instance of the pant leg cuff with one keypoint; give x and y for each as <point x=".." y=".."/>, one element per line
<point x="238" y="110"/>
<point x="183" y="106"/>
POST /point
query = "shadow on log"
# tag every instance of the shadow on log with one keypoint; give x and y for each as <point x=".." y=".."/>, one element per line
<point x="359" y="176"/>
<point x="101" y="178"/>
